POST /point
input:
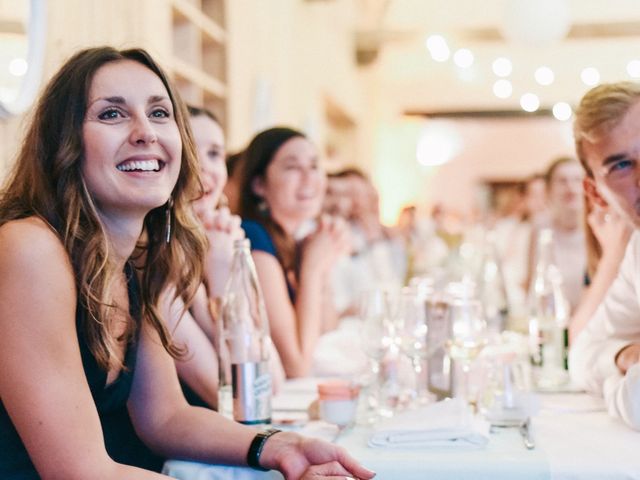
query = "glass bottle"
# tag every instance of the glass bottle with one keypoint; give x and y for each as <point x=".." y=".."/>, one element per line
<point x="491" y="286"/>
<point x="244" y="344"/>
<point x="548" y="318"/>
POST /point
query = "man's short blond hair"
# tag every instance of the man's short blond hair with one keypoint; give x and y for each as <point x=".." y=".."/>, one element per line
<point x="601" y="109"/>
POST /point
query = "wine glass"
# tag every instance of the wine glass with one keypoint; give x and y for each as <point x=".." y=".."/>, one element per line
<point x="376" y="339"/>
<point x="468" y="334"/>
<point x="411" y="325"/>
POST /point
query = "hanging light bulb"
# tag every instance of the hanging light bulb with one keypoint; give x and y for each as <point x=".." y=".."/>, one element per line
<point x="529" y="102"/>
<point x="562" y="111"/>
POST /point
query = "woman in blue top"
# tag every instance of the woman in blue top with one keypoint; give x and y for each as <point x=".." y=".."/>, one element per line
<point x="108" y="160"/>
<point x="281" y="191"/>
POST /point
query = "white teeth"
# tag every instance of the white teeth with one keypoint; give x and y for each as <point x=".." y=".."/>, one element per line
<point x="143" y="165"/>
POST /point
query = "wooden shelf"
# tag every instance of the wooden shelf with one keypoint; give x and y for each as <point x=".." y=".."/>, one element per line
<point x="198" y="62"/>
<point x="187" y="11"/>
<point x="199" y="78"/>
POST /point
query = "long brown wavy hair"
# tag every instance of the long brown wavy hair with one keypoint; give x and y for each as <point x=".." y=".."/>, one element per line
<point x="46" y="182"/>
<point x="255" y="160"/>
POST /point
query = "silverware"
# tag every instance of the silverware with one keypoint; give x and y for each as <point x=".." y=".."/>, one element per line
<point x="525" y="431"/>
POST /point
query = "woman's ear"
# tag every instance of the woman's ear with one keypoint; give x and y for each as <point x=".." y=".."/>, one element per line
<point x="257" y="186"/>
<point x="591" y="190"/>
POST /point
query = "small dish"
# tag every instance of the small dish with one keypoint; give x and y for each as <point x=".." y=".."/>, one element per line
<point x="338" y="401"/>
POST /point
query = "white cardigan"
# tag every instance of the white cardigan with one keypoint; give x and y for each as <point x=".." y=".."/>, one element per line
<point x="615" y="324"/>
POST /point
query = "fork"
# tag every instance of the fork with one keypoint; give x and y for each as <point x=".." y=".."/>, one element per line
<point x="525" y="431"/>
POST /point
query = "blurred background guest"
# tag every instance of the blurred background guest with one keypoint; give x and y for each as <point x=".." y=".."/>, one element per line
<point x="282" y="188"/>
<point x="425" y="251"/>
<point x="514" y="234"/>
<point x="565" y="219"/>
<point x="383" y="251"/>
<point x="536" y="209"/>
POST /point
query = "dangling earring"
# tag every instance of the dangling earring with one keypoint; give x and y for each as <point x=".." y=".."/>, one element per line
<point x="263" y="207"/>
<point x="168" y="211"/>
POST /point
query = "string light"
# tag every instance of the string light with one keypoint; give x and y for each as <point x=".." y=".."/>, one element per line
<point x="438" y="48"/>
<point x="502" y="88"/>
<point x="633" y="68"/>
<point x="590" y="76"/>
<point x="562" y="111"/>
<point x="529" y="102"/>
<point x="502" y="67"/>
<point x="463" y="58"/>
<point x="544" y="75"/>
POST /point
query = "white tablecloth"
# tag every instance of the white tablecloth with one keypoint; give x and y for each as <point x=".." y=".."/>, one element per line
<point x="575" y="439"/>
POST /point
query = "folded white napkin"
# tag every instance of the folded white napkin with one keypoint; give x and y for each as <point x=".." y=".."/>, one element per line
<point x="448" y="424"/>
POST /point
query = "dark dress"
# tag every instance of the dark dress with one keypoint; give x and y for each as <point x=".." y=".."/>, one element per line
<point x="121" y="441"/>
<point x="261" y="240"/>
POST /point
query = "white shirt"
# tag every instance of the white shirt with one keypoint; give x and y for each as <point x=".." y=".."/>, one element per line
<point x="615" y="324"/>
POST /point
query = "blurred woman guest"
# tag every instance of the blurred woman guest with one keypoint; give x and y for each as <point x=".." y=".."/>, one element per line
<point x="88" y="383"/>
<point x="194" y="327"/>
<point x="282" y="188"/>
<point x="565" y="203"/>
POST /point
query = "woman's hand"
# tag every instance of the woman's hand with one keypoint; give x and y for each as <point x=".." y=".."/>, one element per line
<point x="222" y="229"/>
<point x="326" y="471"/>
<point x="330" y="241"/>
<point x="610" y="229"/>
<point x="300" y="458"/>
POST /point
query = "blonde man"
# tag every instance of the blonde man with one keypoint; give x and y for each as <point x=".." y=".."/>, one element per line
<point x="605" y="356"/>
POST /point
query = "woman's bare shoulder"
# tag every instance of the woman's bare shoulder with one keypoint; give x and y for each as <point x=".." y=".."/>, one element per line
<point x="30" y="243"/>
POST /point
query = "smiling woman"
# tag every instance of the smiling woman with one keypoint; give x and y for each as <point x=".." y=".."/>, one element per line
<point x="88" y="386"/>
<point x="134" y="159"/>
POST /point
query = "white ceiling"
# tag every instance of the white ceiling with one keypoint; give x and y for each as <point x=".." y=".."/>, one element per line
<point x="604" y="34"/>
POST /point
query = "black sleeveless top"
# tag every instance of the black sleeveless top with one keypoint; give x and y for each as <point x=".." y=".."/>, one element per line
<point x="121" y="441"/>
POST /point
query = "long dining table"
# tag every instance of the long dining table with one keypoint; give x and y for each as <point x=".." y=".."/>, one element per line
<point x="574" y="438"/>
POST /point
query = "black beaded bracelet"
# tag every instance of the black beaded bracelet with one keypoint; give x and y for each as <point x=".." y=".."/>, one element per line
<point x="255" y="449"/>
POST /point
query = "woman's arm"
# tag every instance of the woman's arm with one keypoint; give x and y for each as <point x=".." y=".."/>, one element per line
<point x="43" y="385"/>
<point x="295" y="328"/>
<point x="612" y="233"/>
<point x="199" y="367"/>
<point x="167" y="424"/>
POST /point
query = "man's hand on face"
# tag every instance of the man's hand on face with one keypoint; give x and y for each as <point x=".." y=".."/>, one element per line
<point x="627" y="357"/>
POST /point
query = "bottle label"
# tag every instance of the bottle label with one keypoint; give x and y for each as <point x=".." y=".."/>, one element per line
<point x="251" y="392"/>
<point x="549" y="354"/>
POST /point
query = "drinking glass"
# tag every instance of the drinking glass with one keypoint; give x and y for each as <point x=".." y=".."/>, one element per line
<point x="411" y="326"/>
<point x="376" y="340"/>
<point x="468" y="336"/>
<point x="503" y="399"/>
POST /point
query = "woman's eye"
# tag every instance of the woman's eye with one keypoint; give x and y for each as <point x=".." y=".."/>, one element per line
<point x="110" y="114"/>
<point x="160" y="113"/>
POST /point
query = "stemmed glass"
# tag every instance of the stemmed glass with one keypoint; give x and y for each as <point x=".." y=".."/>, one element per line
<point x="468" y="334"/>
<point x="411" y="325"/>
<point x="376" y="336"/>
